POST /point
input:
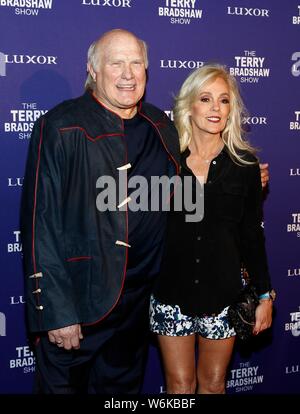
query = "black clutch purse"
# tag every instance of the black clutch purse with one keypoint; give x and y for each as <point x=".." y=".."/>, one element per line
<point x="241" y="314"/>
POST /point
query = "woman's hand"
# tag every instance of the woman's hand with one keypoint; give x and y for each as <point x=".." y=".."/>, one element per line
<point x="263" y="316"/>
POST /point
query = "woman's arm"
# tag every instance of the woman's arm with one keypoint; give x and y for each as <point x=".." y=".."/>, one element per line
<point x="253" y="247"/>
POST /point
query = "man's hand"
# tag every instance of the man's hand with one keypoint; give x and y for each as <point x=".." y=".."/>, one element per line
<point x="264" y="174"/>
<point x="67" y="337"/>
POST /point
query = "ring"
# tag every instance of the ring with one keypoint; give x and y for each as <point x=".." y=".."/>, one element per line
<point x="59" y="343"/>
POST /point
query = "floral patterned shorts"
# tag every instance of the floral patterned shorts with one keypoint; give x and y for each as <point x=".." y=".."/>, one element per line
<point x="168" y="320"/>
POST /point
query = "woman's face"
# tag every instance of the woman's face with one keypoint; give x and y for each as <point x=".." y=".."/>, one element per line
<point x="210" y="110"/>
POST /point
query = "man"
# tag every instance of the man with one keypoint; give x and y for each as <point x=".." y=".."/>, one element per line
<point x="89" y="273"/>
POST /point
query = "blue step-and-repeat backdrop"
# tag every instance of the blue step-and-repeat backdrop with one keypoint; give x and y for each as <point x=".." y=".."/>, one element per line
<point x="43" y="46"/>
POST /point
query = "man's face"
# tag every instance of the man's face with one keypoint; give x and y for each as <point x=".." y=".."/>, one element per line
<point x="121" y="74"/>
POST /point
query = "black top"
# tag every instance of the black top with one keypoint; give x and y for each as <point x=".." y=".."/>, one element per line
<point x="201" y="267"/>
<point x="146" y="229"/>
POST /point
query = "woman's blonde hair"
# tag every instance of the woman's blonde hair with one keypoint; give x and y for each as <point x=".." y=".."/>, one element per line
<point x="233" y="133"/>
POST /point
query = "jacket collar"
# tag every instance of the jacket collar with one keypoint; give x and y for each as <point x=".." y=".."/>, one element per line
<point x="115" y="124"/>
<point x="143" y="108"/>
<point x="93" y="104"/>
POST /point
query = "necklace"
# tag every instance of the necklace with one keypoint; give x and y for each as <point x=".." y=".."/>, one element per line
<point x="213" y="154"/>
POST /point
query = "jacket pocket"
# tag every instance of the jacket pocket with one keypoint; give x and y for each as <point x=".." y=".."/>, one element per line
<point x="80" y="272"/>
<point x="231" y="201"/>
<point x="78" y="260"/>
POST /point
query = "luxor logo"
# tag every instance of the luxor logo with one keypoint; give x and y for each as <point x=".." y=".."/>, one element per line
<point x="34" y="59"/>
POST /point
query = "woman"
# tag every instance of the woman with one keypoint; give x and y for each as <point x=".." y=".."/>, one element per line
<point x="201" y="269"/>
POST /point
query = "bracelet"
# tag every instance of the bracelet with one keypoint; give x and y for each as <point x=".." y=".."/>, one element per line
<point x="264" y="296"/>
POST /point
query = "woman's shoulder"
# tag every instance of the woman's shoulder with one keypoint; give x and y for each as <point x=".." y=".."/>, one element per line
<point x="248" y="156"/>
<point x="247" y="166"/>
